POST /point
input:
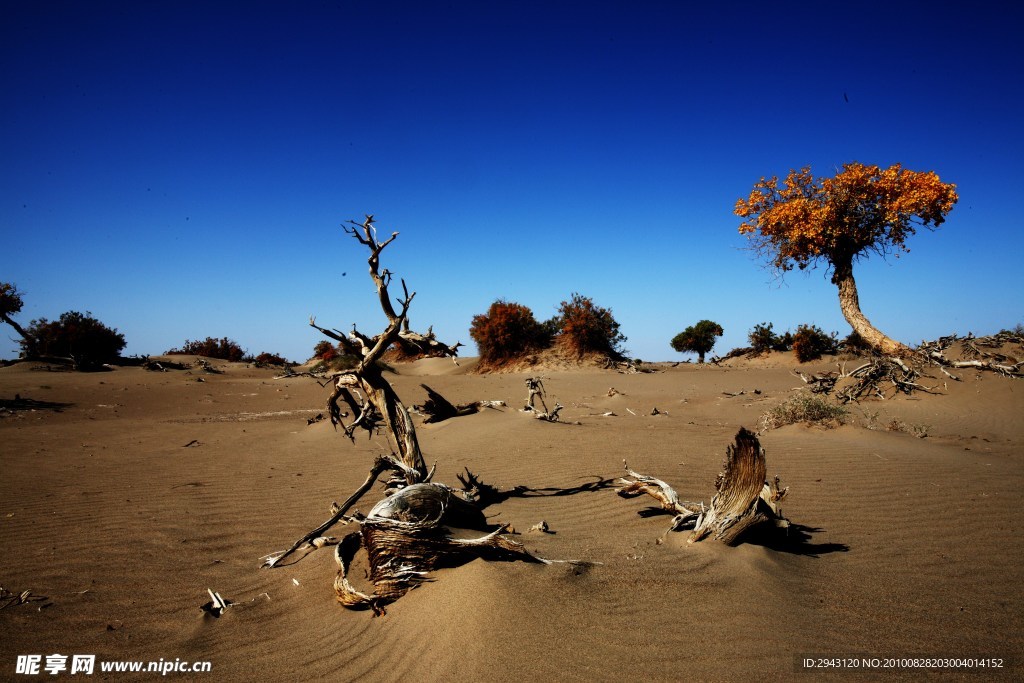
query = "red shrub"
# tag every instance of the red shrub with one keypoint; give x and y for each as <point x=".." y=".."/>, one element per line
<point x="222" y="349"/>
<point x="506" y="331"/>
<point x="586" y="328"/>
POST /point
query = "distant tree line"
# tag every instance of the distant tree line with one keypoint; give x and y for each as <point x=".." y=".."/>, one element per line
<point x="808" y="343"/>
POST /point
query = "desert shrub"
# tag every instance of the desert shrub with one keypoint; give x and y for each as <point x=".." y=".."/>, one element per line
<point x="699" y="338"/>
<point x="267" y="358"/>
<point x="507" y="330"/>
<point x="811" y="343"/>
<point x="804" y="407"/>
<point x="584" y="327"/>
<point x="854" y="343"/>
<point x="898" y="425"/>
<point x="222" y="349"/>
<point x="763" y="339"/>
<point x="75" y="335"/>
<point x="325" y="351"/>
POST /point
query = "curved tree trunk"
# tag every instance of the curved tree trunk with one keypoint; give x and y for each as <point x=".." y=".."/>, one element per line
<point x="17" y="328"/>
<point x="849" y="303"/>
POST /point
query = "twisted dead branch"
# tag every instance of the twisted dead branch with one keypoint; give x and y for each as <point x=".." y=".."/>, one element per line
<point x="885" y="377"/>
<point x="744" y="499"/>
<point x="408" y="533"/>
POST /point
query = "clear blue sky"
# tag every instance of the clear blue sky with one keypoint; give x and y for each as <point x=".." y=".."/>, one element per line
<point x="181" y="169"/>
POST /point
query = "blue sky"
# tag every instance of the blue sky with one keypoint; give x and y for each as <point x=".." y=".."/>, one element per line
<point x="181" y="169"/>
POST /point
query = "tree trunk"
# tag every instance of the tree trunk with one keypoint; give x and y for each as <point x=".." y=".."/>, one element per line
<point x="849" y="302"/>
<point x="17" y="328"/>
<point x="700" y="357"/>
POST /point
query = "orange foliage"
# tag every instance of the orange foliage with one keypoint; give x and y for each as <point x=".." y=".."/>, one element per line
<point x="861" y="208"/>
<point x="588" y="328"/>
<point x="506" y="331"/>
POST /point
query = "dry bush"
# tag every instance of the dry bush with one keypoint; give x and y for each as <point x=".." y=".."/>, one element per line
<point x="811" y="343"/>
<point x="267" y="358"/>
<point x="587" y="328"/>
<point x="75" y="335"/>
<point x="507" y="331"/>
<point x="221" y="349"/>
<point x="763" y="339"/>
<point x="898" y="425"/>
<point x="804" y="408"/>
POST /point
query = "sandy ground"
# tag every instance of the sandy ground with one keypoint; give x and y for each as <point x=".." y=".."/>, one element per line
<point x="126" y="494"/>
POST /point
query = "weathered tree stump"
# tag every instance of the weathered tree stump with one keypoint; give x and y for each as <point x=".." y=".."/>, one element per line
<point x="744" y="499"/>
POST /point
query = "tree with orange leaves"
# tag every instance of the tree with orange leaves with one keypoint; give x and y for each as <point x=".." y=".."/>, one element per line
<point x="838" y="220"/>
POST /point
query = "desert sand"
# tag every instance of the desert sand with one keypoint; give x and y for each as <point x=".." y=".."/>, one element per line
<point x="125" y="495"/>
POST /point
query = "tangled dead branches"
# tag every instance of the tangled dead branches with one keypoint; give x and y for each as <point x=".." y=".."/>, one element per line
<point x="885" y="377"/>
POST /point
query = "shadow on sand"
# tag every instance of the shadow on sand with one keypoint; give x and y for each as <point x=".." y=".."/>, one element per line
<point x="19" y="404"/>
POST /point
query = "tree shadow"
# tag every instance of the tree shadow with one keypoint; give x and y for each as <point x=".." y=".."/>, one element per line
<point x="18" y="404"/>
<point x="795" y="539"/>
<point x="485" y="495"/>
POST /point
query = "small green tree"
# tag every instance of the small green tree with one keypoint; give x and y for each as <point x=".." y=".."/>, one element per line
<point x="75" y="335"/>
<point x="699" y="338"/>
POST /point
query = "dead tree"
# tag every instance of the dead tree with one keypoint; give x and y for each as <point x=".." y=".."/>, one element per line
<point x="536" y="388"/>
<point x="407" y="534"/>
<point x="744" y="498"/>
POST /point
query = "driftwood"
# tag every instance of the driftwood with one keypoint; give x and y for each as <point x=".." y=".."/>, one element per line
<point x="880" y="377"/>
<point x="409" y="532"/>
<point x="744" y="498"/>
<point x="536" y="388"/>
<point x="628" y="367"/>
<point x="885" y="377"/>
<point x="745" y="351"/>
<point x="979" y="353"/>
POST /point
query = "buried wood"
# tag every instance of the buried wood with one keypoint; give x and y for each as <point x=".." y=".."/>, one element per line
<point x="410" y="534"/>
<point x="744" y="499"/>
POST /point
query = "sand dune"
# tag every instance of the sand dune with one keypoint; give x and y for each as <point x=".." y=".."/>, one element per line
<point x="127" y="494"/>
